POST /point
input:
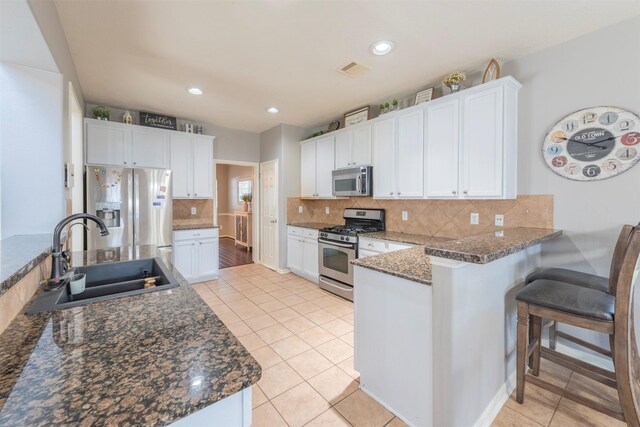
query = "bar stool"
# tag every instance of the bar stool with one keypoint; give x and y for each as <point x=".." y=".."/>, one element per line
<point x="591" y="281"/>
<point x="594" y="310"/>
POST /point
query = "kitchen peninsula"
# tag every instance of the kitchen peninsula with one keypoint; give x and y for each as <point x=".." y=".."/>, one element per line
<point x="435" y="325"/>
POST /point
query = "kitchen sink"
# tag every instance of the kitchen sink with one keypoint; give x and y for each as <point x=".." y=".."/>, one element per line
<point x="108" y="281"/>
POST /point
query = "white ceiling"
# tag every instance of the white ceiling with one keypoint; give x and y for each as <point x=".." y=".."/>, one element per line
<point x="248" y="55"/>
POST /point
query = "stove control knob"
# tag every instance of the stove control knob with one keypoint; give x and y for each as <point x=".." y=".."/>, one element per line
<point x="347" y="239"/>
<point x="342" y="238"/>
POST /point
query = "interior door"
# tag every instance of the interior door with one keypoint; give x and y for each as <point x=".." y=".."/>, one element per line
<point x="269" y="214"/>
<point x="384" y="159"/>
<point x="441" y="165"/>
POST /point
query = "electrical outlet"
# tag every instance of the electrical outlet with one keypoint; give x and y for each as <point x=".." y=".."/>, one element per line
<point x="405" y="215"/>
<point x="300" y="209"/>
<point x="327" y="210"/>
<point x="475" y="218"/>
<point x="193" y="211"/>
<point x="499" y="220"/>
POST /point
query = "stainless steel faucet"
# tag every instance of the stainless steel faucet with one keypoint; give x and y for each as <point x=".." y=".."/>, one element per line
<point x="56" y="254"/>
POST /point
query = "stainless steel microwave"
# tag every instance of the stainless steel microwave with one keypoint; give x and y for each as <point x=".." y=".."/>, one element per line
<point x="352" y="182"/>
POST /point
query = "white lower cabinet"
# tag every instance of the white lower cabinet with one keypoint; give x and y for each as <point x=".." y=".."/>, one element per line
<point x="195" y="254"/>
<point x="302" y="252"/>
<point x="369" y="247"/>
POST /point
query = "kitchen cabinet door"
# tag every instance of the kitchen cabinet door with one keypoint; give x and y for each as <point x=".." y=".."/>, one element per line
<point x="344" y="150"/>
<point x="384" y="158"/>
<point x="310" y="257"/>
<point x="325" y="164"/>
<point x="182" y="172"/>
<point x="441" y="164"/>
<point x="410" y="152"/>
<point x="308" y="169"/>
<point x="294" y="253"/>
<point x="208" y="258"/>
<point x="202" y="166"/>
<point x="482" y="148"/>
<point x="361" y="143"/>
<point x="184" y="258"/>
<point x="364" y="253"/>
<point x="150" y="148"/>
<point x="107" y="143"/>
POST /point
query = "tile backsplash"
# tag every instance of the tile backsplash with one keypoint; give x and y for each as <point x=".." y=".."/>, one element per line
<point x="182" y="212"/>
<point x="443" y="218"/>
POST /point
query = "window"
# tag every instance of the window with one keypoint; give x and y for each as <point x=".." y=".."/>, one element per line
<point x="244" y="187"/>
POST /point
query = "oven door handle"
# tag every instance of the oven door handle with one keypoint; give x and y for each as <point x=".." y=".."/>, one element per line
<point x="342" y="245"/>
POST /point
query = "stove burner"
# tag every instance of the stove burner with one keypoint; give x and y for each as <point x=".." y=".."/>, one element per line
<point x="346" y="229"/>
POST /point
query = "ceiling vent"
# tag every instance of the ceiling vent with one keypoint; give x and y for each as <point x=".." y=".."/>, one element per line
<point x="353" y="70"/>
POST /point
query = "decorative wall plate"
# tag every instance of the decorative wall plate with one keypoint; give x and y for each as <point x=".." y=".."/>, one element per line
<point x="594" y="143"/>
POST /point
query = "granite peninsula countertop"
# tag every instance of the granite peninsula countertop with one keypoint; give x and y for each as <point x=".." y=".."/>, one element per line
<point x="484" y="248"/>
<point x="149" y="359"/>
<point x="312" y="225"/>
<point x="21" y="254"/>
<point x="415" y="263"/>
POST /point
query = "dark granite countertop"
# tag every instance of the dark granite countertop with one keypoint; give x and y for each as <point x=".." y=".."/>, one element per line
<point x="484" y="248"/>
<point x="149" y="359"/>
<point x="191" y="225"/>
<point x="413" y="239"/>
<point x="415" y="264"/>
<point x="411" y="264"/>
<point x="19" y="255"/>
<point x="312" y="225"/>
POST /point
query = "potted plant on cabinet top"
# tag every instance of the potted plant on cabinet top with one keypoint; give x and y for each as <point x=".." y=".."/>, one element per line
<point x="101" y="113"/>
<point x="246" y="201"/>
<point x="453" y="80"/>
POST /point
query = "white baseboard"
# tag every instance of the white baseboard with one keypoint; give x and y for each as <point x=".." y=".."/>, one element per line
<point x="389" y="408"/>
<point x="498" y="401"/>
<point x="283" y="270"/>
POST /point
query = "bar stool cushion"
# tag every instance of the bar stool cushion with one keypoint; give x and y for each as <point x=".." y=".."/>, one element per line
<point x="569" y="298"/>
<point x="577" y="278"/>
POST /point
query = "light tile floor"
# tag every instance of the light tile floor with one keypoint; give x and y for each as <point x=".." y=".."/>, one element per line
<point x="302" y="337"/>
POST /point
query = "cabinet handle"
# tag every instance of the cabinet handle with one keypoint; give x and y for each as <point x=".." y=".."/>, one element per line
<point x="195" y="194"/>
<point x="125" y="163"/>
<point x="134" y="163"/>
<point x="370" y="245"/>
<point x="466" y="191"/>
<point x="188" y="194"/>
<point x="391" y="193"/>
<point x="454" y="192"/>
<point x="399" y="193"/>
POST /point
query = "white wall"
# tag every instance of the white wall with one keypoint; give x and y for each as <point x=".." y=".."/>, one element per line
<point x="31" y="150"/>
<point x="601" y="68"/>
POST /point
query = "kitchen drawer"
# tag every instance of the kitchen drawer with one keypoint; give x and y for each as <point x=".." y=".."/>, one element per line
<point x="295" y="231"/>
<point x="372" y="245"/>
<point x="364" y="253"/>
<point x="201" y="233"/>
<point x="398" y="246"/>
<point x="310" y="233"/>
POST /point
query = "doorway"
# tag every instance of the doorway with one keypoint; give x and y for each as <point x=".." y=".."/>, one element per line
<point x="233" y="212"/>
<point x="269" y="214"/>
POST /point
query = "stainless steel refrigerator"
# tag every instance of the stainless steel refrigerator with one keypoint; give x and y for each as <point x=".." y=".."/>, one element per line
<point x="135" y="205"/>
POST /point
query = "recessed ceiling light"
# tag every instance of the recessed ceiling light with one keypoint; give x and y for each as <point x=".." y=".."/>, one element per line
<point x="382" y="47"/>
<point x="195" y="91"/>
<point x="272" y="110"/>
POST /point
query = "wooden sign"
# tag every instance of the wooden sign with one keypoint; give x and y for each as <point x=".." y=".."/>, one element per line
<point x="158" y="121"/>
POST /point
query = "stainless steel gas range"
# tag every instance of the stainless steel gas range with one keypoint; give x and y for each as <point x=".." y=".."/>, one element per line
<point x="338" y="245"/>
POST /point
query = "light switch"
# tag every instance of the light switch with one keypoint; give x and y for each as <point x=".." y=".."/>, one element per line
<point x="475" y="218"/>
<point x="405" y="215"/>
<point x="327" y="210"/>
<point x="300" y="209"/>
<point x="193" y="211"/>
<point x="499" y="220"/>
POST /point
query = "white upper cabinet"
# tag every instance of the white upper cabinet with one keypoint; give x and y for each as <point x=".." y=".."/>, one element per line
<point x="106" y="143"/>
<point x="483" y="142"/>
<point x="441" y="164"/>
<point x="384" y="158"/>
<point x="202" y="166"/>
<point x="150" y="148"/>
<point x="317" y="161"/>
<point x="353" y="147"/>
<point x="410" y="154"/>
<point x="308" y="169"/>
<point x="192" y="166"/>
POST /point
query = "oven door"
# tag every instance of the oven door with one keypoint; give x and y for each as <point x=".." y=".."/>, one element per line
<point x="334" y="260"/>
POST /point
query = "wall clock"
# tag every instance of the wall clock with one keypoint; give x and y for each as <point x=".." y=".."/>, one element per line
<point x="594" y="143"/>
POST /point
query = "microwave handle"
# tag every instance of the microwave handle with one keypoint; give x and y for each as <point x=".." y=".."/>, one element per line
<point x="359" y="184"/>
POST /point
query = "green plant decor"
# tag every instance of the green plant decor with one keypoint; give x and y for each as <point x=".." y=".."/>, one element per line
<point x="101" y="112"/>
<point x="247" y="197"/>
